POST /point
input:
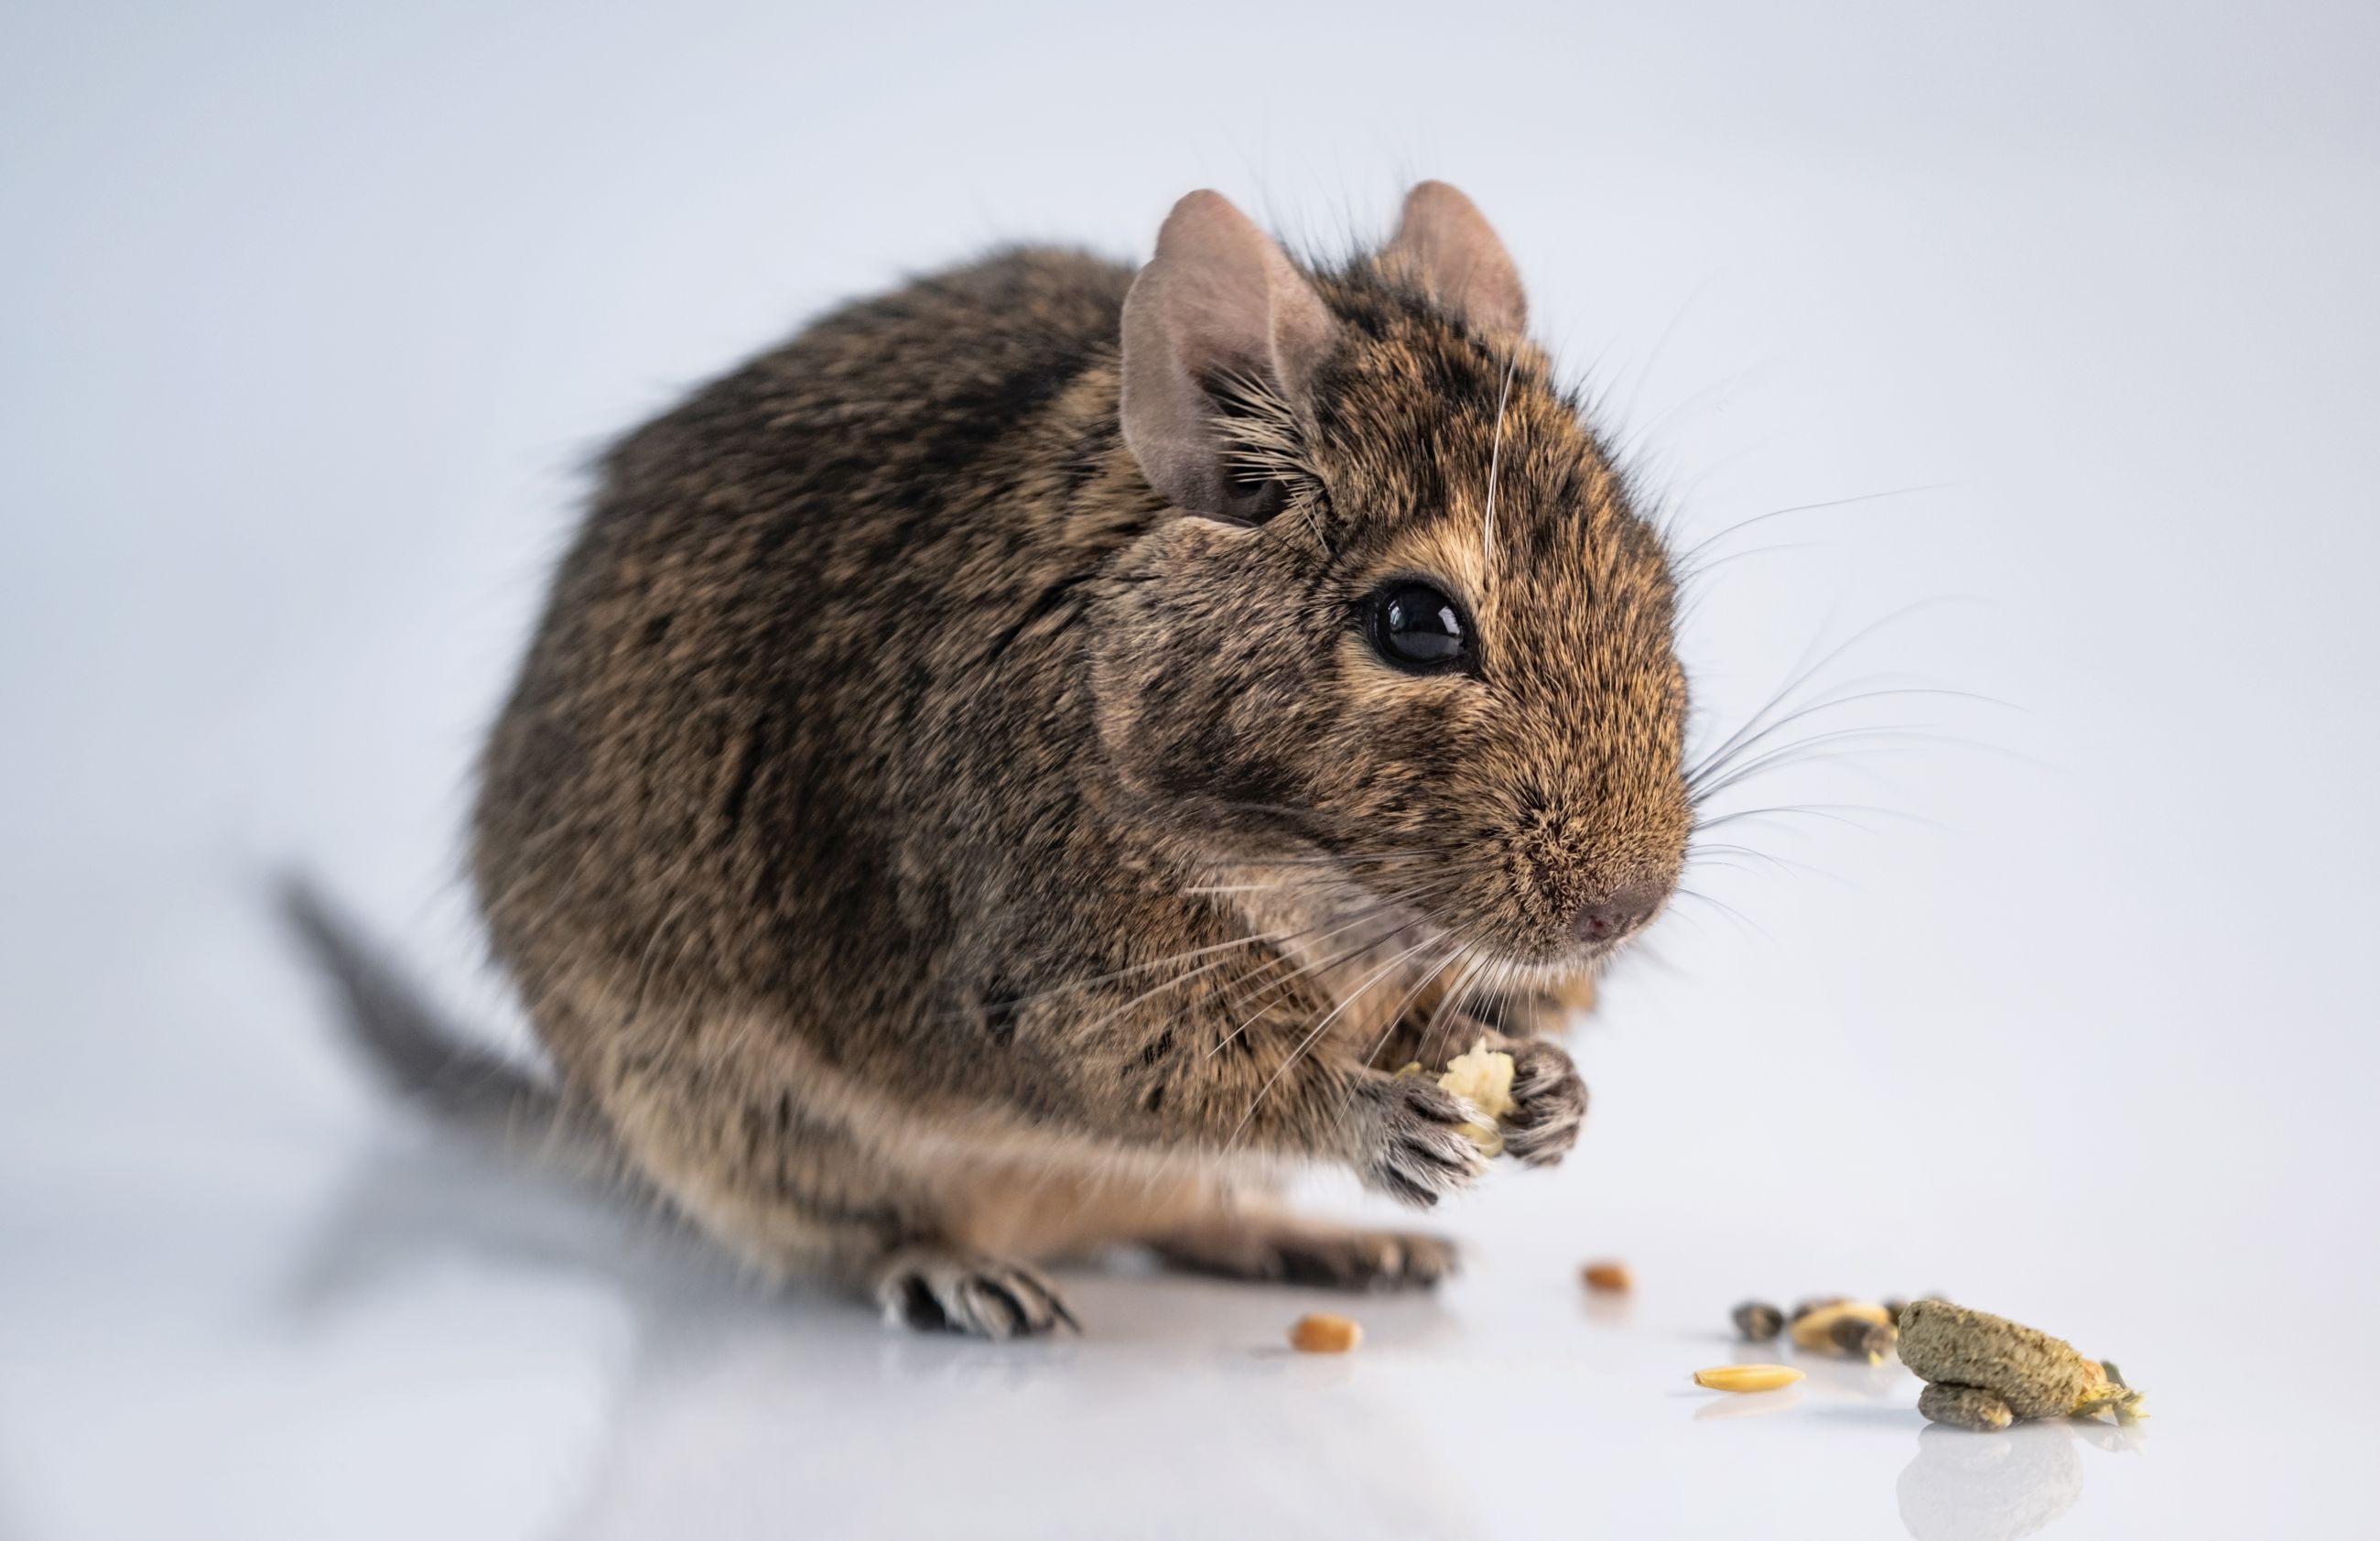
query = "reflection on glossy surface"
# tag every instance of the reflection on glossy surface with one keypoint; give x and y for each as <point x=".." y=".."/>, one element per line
<point x="1966" y="1485"/>
<point x="721" y="1387"/>
<point x="1748" y="1405"/>
<point x="1610" y="1308"/>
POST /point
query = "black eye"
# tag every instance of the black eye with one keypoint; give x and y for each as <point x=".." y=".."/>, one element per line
<point x="1415" y="628"/>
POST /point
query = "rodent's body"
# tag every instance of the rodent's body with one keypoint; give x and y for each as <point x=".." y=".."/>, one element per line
<point x="770" y="802"/>
<point x="793" y="724"/>
<point x="879" y="862"/>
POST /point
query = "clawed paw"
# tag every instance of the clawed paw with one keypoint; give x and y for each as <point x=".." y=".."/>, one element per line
<point x="1414" y="1147"/>
<point x="935" y="1291"/>
<point x="1548" y="1104"/>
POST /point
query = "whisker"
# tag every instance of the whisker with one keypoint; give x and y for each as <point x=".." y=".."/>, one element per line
<point x="1329" y="1017"/>
<point x="1686" y="560"/>
<point x="1749" y="552"/>
<point x="1309" y="969"/>
<point x="1684" y="892"/>
<point x="1379" y="907"/>
<point x="1453" y="1008"/>
<point x="1396" y="1019"/>
<point x="1833" y="810"/>
<point x="1494" y="468"/>
<point x="1718" y="759"/>
<point x="1806" y="668"/>
<point x="1885" y="737"/>
<point x="1403" y="853"/>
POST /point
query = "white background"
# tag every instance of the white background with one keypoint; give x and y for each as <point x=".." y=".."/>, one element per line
<point x="312" y="313"/>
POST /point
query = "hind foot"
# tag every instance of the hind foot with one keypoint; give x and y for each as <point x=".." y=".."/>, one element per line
<point x="1297" y="1251"/>
<point x="935" y="1290"/>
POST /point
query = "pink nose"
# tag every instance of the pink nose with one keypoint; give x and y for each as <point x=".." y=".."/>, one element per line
<point x="1610" y="918"/>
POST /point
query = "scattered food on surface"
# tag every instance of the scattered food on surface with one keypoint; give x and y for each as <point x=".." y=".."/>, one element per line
<point x="1607" y="1275"/>
<point x="1322" y="1332"/>
<point x="1819" y="1303"/>
<point x="1748" y="1377"/>
<point x="1815" y="1328"/>
<point x="1864" y="1340"/>
<point x="1986" y="1370"/>
<point x="1758" y="1322"/>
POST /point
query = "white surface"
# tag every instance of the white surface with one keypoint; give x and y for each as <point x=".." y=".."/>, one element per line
<point x="311" y="313"/>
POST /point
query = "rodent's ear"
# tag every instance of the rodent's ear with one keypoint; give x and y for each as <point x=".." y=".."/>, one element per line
<point x="1220" y="306"/>
<point x="1445" y="245"/>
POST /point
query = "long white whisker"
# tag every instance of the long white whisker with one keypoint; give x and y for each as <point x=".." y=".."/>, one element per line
<point x="1308" y="970"/>
<point x="1299" y="1053"/>
<point x="1494" y="468"/>
<point x="1396" y="1017"/>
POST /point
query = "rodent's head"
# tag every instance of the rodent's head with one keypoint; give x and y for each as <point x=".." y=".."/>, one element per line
<point x="1406" y="626"/>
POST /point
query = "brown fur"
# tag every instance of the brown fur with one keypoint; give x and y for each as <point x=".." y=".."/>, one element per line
<point x="922" y="845"/>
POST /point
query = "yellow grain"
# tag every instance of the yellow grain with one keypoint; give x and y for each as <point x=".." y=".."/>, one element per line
<point x="1748" y="1377"/>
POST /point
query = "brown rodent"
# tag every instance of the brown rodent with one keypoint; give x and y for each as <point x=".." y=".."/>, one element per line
<point x="1018" y="766"/>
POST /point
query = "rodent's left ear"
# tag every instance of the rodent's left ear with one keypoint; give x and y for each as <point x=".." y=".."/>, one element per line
<point x="1218" y="307"/>
<point x="1445" y="245"/>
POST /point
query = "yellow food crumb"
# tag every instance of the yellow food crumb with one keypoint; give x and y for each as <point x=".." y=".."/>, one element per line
<point x="1324" y="1333"/>
<point x="1748" y="1377"/>
<point x="1484" y="1079"/>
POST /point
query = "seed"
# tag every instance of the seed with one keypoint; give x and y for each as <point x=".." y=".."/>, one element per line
<point x="1862" y="1338"/>
<point x="1748" y="1377"/>
<point x="1819" y="1302"/>
<point x="1608" y="1276"/>
<point x="1817" y="1328"/>
<point x="1758" y="1321"/>
<point x="1324" y="1333"/>
<point x="1893" y="1309"/>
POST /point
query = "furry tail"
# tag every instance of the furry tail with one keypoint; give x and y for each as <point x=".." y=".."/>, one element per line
<point x="415" y="1052"/>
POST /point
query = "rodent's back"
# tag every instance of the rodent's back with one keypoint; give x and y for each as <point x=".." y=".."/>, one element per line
<point x="815" y="617"/>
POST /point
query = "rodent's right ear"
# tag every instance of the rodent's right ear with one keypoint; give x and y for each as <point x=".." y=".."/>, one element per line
<point x="1220" y="306"/>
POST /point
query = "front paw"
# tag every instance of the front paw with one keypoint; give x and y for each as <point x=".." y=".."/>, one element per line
<point x="1548" y="1104"/>
<point x="1411" y="1144"/>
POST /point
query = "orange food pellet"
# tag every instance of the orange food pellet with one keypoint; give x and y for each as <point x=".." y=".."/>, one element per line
<point x="1324" y="1333"/>
<point x="1610" y="1276"/>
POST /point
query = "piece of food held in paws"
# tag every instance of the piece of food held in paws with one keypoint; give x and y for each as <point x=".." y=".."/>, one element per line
<point x="1484" y="1079"/>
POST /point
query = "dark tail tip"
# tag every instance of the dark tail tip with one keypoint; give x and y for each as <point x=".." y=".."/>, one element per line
<point x="398" y="1036"/>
